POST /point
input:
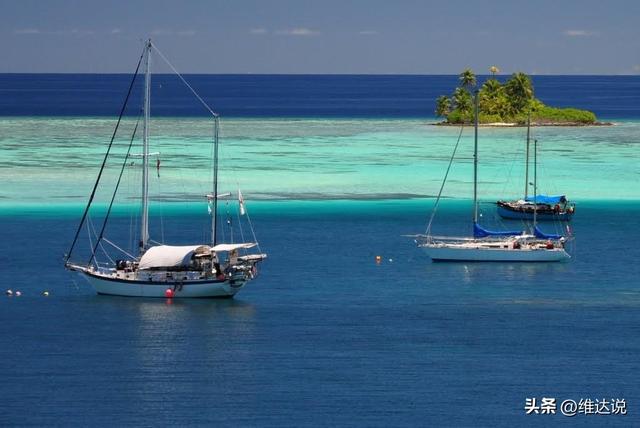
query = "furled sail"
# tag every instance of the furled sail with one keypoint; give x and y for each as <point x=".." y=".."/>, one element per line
<point x="480" y="232"/>
<point x="540" y="234"/>
<point x="546" y="199"/>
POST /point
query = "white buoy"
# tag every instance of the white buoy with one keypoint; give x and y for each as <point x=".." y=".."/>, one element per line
<point x="45" y="293"/>
<point x="18" y="294"/>
<point x="9" y="292"/>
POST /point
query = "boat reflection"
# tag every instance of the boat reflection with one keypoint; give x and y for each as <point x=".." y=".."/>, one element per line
<point x="511" y="273"/>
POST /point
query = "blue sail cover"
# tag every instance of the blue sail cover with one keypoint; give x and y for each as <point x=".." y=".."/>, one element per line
<point x="545" y="199"/>
<point x="540" y="234"/>
<point x="480" y="232"/>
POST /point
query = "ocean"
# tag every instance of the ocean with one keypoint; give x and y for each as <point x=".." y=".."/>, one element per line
<point x="335" y="170"/>
<point x="313" y="96"/>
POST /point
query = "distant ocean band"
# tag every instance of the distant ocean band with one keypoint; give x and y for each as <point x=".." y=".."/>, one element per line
<point x="306" y="96"/>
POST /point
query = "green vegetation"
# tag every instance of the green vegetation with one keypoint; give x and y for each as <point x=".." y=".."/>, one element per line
<point x="508" y="102"/>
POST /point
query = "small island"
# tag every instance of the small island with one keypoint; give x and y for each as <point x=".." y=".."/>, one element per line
<point x="505" y="104"/>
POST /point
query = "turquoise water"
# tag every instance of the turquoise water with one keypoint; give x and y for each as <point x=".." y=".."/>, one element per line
<point x="55" y="161"/>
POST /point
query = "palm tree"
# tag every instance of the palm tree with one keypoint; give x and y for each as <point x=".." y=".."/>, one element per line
<point x="492" y="97"/>
<point x="491" y="87"/>
<point x="493" y="100"/>
<point x="519" y="90"/>
<point x="462" y="100"/>
<point x="467" y="78"/>
<point x="443" y="106"/>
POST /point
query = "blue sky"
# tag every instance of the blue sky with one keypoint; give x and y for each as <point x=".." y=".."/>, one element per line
<point x="324" y="36"/>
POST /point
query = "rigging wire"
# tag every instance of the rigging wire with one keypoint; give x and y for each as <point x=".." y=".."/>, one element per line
<point x="133" y="175"/>
<point x="104" y="161"/>
<point x="206" y="106"/>
<point x="235" y="174"/>
<point x="252" y="231"/>
<point x="240" y="226"/>
<point x="126" y="160"/>
<point x="516" y="154"/>
<point x="159" y="186"/>
<point x="214" y="114"/>
<point x="557" y="225"/>
<point x="115" y="191"/>
<point x="117" y="248"/>
<point x="444" y="180"/>
<point x="90" y="228"/>
<point x="89" y="231"/>
<point x="105" y="252"/>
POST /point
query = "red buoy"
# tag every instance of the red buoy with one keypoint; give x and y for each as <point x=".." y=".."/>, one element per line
<point x="168" y="293"/>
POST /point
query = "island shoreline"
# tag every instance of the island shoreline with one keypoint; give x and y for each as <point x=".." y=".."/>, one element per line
<point x="524" y="125"/>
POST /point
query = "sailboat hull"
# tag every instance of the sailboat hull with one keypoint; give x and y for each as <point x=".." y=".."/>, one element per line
<point x="541" y="216"/>
<point x="470" y="254"/>
<point x="187" y="289"/>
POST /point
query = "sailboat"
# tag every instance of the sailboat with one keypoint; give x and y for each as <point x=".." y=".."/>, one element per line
<point x="212" y="269"/>
<point x="544" y="207"/>
<point x="488" y="245"/>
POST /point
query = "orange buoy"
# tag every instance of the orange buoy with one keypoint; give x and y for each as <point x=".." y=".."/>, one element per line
<point x="168" y="293"/>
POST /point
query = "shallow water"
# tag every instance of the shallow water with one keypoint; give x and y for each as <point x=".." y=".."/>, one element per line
<point x="57" y="160"/>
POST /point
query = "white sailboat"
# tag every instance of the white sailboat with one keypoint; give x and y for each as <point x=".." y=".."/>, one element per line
<point x="211" y="269"/>
<point x="495" y="246"/>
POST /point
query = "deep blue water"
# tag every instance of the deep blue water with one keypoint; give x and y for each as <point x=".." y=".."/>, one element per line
<point x="325" y="336"/>
<point x="400" y="96"/>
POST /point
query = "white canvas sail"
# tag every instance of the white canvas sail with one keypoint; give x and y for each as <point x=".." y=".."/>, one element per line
<point x="170" y="256"/>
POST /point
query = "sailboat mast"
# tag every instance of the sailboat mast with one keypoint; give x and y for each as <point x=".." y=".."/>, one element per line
<point x="144" y="226"/>
<point x="475" y="161"/>
<point x="535" y="182"/>
<point x="214" y="213"/>
<point x="526" y="165"/>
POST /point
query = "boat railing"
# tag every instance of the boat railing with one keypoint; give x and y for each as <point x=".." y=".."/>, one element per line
<point x="453" y="238"/>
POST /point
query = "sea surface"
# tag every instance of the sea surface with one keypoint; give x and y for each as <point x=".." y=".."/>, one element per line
<point x="314" y="96"/>
<point x="335" y="170"/>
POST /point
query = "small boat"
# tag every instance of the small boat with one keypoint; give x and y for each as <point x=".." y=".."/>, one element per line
<point x="545" y="207"/>
<point x="549" y="208"/>
<point x="212" y="269"/>
<point x="487" y="245"/>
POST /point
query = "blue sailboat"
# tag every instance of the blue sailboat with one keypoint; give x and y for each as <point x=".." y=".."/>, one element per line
<point x="544" y="207"/>
<point x="550" y="208"/>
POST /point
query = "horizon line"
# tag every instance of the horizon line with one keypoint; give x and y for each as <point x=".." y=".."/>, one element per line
<point x="316" y="74"/>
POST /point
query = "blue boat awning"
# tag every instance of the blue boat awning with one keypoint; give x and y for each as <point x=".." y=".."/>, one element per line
<point x="480" y="232"/>
<point x="546" y="199"/>
<point x="540" y="234"/>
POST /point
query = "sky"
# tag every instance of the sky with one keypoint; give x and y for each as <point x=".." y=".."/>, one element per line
<point x="323" y="36"/>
